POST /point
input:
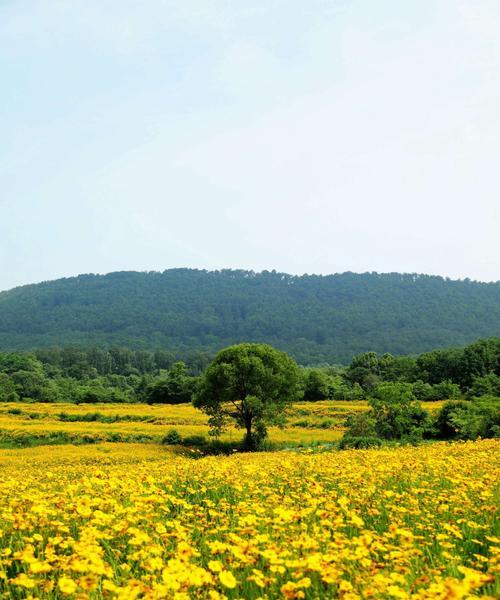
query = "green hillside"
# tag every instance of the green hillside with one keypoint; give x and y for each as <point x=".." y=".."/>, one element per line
<point x="315" y="318"/>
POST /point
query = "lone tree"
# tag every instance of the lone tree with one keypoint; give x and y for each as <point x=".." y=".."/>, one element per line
<point x="251" y="384"/>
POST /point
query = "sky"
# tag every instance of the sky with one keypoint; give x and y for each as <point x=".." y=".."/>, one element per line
<point x="307" y="137"/>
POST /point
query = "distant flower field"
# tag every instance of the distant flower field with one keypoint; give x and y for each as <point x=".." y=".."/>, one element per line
<point x="24" y="424"/>
<point x="132" y="521"/>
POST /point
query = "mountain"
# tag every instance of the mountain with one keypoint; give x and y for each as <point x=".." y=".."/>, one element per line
<point x="315" y="318"/>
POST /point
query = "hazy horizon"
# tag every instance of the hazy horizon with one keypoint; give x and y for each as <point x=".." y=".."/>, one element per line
<point x="328" y="137"/>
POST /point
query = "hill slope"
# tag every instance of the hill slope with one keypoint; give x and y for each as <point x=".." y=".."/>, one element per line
<point x="316" y="318"/>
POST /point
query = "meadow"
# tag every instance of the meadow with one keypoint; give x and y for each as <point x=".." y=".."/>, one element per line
<point x="81" y="517"/>
<point x="138" y="521"/>
<point x="28" y="424"/>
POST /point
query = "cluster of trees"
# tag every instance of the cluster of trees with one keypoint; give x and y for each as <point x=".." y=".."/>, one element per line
<point x="316" y="319"/>
<point x="252" y="383"/>
<point x="396" y="415"/>
<point x="441" y="374"/>
<point x="473" y="370"/>
<point x="81" y="362"/>
<point x="123" y="375"/>
<point x="73" y="375"/>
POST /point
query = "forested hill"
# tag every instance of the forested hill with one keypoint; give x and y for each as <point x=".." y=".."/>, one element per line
<point x="315" y="318"/>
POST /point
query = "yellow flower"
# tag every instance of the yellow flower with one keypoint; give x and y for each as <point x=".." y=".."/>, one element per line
<point x="66" y="585"/>
<point x="215" y="566"/>
<point x="290" y="591"/>
<point x="227" y="579"/>
<point x="24" y="581"/>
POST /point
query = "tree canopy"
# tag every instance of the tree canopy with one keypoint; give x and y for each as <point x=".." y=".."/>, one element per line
<point x="250" y="384"/>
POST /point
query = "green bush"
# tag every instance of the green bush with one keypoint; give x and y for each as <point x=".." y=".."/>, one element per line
<point x="397" y="413"/>
<point x="176" y="387"/>
<point x="361" y="425"/>
<point x="446" y="390"/>
<point x="469" y="420"/>
<point x="423" y="391"/>
<point x="195" y="440"/>
<point x="357" y="442"/>
<point x="488" y="385"/>
<point x="173" y="438"/>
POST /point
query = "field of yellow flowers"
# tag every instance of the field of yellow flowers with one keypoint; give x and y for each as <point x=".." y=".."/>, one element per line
<point x="24" y="424"/>
<point x="130" y="521"/>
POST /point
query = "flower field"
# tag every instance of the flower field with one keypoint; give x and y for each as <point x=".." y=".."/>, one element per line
<point x="137" y="521"/>
<point x="24" y="424"/>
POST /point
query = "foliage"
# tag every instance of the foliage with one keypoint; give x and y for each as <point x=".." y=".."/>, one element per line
<point x="175" y="388"/>
<point x="93" y="376"/>
<point x="8" y="391"/>
<point x="445" y="390"/>
<point x="70" y="375"/>
<point x="172" y="438"/>
<point x="397" y="413"/>
<point x="350" y="442"/>
<point x="315" y="385"/>
<point x="340" y="389"/>
<point x="439" y="374"/>
<point x="469" y="420"/>
<point x="361" y="425"/>
<point x="486" y="385"/>
<point x="314" y="318"/>
<point x="251" y="384"/>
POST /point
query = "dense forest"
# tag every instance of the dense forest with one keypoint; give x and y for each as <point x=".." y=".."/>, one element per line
<point x="317" y="319"/>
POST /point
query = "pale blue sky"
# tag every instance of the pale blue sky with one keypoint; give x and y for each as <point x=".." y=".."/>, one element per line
<point x="316" y="136"/>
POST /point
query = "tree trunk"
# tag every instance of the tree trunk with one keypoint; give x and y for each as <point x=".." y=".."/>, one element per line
<point x="249" y="441"/>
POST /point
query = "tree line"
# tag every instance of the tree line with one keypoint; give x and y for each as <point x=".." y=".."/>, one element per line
<point x="124" y="375"/>
<point x="440" y="374"/>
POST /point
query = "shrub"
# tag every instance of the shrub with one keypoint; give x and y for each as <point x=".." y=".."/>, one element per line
<point x="361" y="425"/>
<point x="468" y="420"/>
<point x="423" y="391"/>
<point x="340" y="390"/>
<point x="194" y="440"/>
<point x="315" y="385"/>
<point x="172" y="438"/>
<point x="488" y="385"/>
<point x="446" y="390"/>
<point x="350" y="442"/>
<point x="176" y="387"/>
<point x="397" y="413"/>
